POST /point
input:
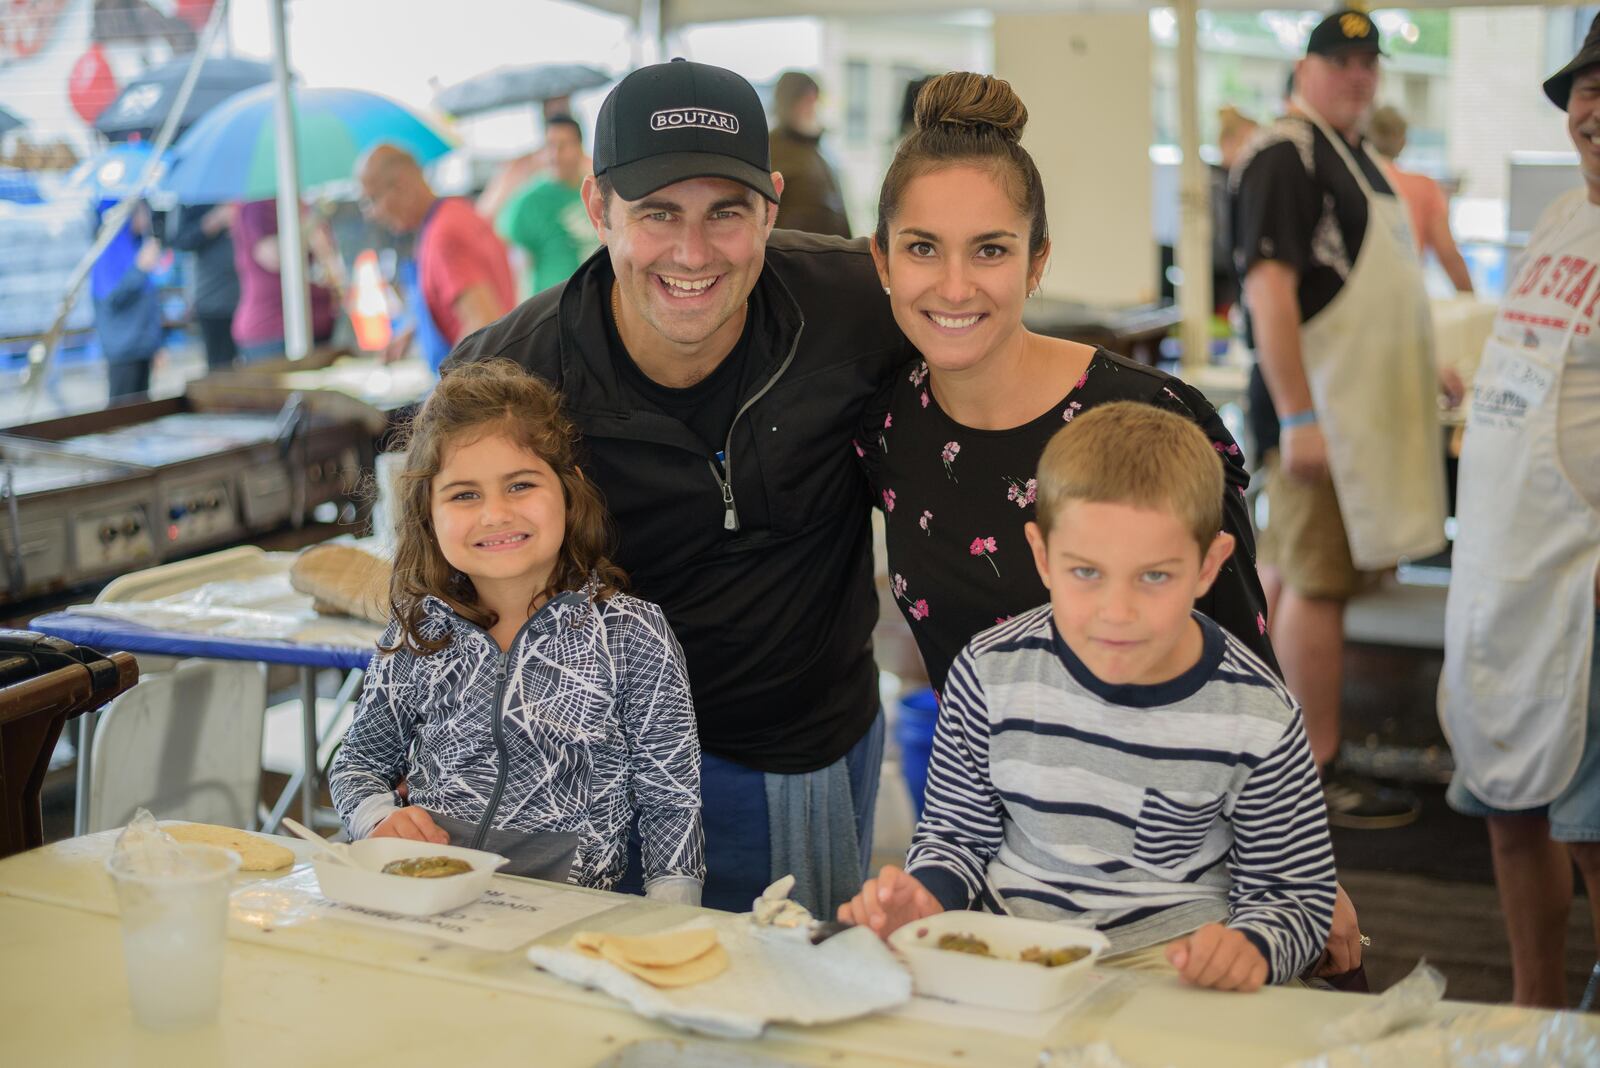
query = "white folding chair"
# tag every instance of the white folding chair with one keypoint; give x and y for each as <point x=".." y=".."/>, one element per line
<point x="185" y="743"/>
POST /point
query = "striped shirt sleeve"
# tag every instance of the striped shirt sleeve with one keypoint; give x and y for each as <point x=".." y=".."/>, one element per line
<point x="962" y="819"/>
<point x="1281" y="866"/>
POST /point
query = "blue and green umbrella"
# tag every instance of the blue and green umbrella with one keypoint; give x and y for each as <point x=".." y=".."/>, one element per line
<point x="231" y="153"/>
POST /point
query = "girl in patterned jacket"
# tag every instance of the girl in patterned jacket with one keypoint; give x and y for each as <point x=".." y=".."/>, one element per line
<point x="529" y="706"/>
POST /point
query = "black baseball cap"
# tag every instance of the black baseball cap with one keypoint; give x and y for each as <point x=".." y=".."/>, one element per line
<point x="1346" y="30"/>
<point x="674" y="121"/>
<point x="1558" y="87"/>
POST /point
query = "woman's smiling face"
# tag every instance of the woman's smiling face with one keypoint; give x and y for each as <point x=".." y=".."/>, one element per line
<point x="957" y="265"/>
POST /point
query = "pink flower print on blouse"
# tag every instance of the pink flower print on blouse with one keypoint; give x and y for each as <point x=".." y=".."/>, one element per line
<point x="927" y="517"/>
<point x="948" y="454"/>
<point x="924" y="398"/>
<point x="918" y="609"/>
<point x="986" y="548"/>
<point x="919" y="373"/>
<point x="888" y="500"/>
<point x="883" y="438"/>
<point x="860" y="452"/>
<point x="1261" y="623"/>
<point x="1226" y="450"/>
<point x="1021" y="493"/>
<point x="1069" y="411"/>
<point x="1082" y="379"/>
<point x="1000" y="619"/>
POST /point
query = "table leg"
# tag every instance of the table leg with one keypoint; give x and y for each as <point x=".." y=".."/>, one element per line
<point x="80" y="810"/>
<point x="308" y="726"/>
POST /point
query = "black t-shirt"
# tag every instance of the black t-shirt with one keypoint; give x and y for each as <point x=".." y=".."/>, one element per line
<point x="707" y="407"/>
<point x="956" y="499"/>
<point x="1296" y="201"/>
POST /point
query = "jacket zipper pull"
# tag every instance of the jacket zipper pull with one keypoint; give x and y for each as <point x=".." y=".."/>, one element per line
<point x="730" y="516"/>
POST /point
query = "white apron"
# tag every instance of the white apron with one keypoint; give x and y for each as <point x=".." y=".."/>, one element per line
<point x="1369" y="362"/>
<point x="1519" y="622"/>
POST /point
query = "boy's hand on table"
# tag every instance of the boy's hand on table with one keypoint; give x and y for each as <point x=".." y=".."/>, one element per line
<point x="413" y="823"/>
<point x="1220" y="958"/>
<point x="889" y="902"/>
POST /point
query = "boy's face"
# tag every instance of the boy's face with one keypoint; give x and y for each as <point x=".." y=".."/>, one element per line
<point x="1122" y="581"/>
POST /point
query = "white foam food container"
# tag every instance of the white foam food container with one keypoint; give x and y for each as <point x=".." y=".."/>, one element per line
<point x="368" y="887"/>
<point x="1001" y="981"/>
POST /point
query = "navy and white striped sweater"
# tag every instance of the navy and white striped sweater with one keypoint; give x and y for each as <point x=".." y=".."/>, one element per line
<point x="1146" y="811"/>
<point x="595" y="715"/>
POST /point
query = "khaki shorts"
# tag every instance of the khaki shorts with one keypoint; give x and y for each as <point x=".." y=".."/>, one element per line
<point x="1304" y="537"/>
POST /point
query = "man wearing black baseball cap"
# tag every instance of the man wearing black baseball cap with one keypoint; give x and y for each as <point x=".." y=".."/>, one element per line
<point x="1343" y="398"/>
<point x="718" y="371"/>
<point x="1519" y="695"/>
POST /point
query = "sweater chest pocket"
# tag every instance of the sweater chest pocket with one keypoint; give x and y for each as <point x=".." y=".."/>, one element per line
<point x="1172" y="826"/>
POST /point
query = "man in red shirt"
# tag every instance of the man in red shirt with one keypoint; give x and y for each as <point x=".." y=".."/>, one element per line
<point x="462" y="270"/>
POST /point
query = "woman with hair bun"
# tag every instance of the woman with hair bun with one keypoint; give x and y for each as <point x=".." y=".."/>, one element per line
<point x="961" y="243"/>
<point x="953" y="445"/>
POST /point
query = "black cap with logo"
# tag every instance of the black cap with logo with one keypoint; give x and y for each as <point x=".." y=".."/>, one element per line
<point x="1558" y="87"/>
<point x="674" y="121"/>
<point x="1343" y="31"/>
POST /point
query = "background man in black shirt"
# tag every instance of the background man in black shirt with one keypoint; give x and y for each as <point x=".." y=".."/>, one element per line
<point x="1343" y="396"/>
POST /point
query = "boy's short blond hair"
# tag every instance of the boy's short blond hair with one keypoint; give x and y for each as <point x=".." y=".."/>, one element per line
<point x="1138" y="455"/>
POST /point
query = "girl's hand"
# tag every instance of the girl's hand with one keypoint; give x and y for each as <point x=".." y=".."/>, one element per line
<point x="413" y="823"/>
<point x="1219" y="958"/>
<point x="889" y="902"/>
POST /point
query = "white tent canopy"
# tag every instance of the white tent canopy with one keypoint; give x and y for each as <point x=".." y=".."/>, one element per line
<point x="675" y="13"/>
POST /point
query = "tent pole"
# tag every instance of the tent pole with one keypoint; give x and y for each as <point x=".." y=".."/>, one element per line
<point x="1194" y="200"/>
<point x="291" y="239"/>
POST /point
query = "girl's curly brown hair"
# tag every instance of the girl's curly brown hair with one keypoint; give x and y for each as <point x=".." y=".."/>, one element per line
<point x="472" y="401"/>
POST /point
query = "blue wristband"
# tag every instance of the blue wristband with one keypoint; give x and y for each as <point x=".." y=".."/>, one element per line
<point x="1294" y="419"/>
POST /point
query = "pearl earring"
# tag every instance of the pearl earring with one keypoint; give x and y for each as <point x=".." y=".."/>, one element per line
<point x="886" y="291"/>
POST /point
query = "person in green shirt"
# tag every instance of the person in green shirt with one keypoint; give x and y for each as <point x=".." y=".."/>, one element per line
<point x="547" y="219"/>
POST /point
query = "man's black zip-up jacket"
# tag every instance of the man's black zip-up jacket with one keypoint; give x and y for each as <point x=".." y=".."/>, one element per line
<point x="775" y="615"/>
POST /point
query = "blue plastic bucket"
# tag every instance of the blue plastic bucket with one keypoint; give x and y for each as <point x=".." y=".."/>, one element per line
<point x="913" y="733"/>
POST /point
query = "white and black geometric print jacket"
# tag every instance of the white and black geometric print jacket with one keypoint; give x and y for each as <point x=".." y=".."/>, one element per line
<point x="590" y="708"/>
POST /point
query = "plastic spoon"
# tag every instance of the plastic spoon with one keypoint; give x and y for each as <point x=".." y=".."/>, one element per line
<point x="337" y="850"/>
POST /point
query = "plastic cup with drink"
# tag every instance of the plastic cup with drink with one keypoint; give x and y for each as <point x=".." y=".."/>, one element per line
<point x="173" y="901"/>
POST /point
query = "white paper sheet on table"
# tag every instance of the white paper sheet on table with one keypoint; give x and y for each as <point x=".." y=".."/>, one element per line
<point x="772" y="977"/>
<point x="246" y="596"/>
<point x="510" y="914"/>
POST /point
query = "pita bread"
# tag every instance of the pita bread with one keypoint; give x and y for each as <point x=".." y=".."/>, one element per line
<point x="255" y="852"/>
<point x="670" y="959"/>
<point x="651" y="951"/>
<point x="706" y="966"/>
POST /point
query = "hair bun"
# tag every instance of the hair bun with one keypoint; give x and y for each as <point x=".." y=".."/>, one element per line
<point x="975" y="101"/>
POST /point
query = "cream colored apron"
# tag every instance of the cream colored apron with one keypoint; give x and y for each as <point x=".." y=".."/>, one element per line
<point x="1519" y="622"/>
<point x="1369" y="362"/>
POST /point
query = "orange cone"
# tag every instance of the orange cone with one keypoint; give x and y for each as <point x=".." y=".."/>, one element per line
<point x="367" y="304"/>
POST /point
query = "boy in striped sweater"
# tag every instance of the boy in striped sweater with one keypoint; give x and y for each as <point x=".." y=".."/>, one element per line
<point x="1114" y="758"/>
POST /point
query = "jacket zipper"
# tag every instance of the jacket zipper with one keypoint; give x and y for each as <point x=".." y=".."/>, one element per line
<point x="722" y="465"/>
<point x="494" y="723"/>
<point x="500" y="752"/>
